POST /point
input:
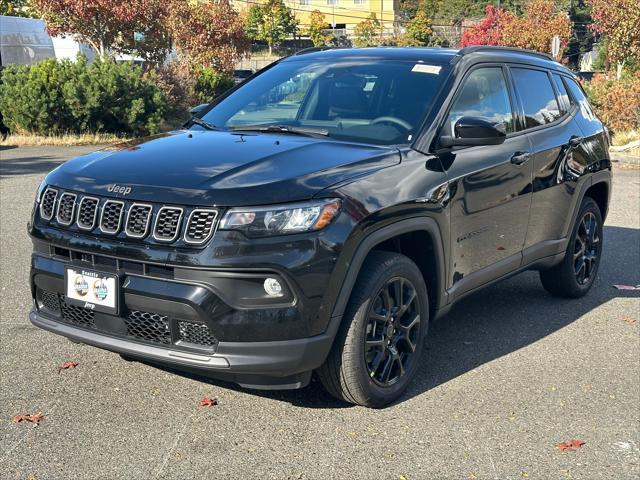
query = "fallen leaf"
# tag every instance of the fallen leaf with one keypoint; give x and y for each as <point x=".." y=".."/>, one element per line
<point x="402" y="477"/>
<point x="67" y="365"/>
<point x="629" y="320"/>
<point x="32" y="418"/>
<point x="627" y="287"/>
<point x="208" y="402"/>
<point x="570" y="446"/>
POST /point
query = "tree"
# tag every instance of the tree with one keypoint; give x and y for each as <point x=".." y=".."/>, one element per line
<point x="107" y="25"/>
<point x="582" y="39"/>
<point x="619" y="22"/>
<point x="208" y="34"/>
<point x="536" y="28"/>
<point x="317" y="25"/>
<point x="533" y="30"/>
<point x="15" y="8"/>
<point x="418" y="31"/>
<point x="271" y="22"/>
<point x="488" y="31"/>
<point x="366" y="32"/>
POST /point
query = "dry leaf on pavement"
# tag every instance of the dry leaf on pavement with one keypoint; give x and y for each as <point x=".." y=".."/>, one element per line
<point x="32" y="418"/>
<point x="570" y="446"/>
<point x="67" y="365"/>
<point x="208" y="402"/>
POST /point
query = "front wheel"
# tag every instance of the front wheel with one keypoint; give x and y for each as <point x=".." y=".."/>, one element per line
<point x="576" y="273"/>
<point x="378" y="347"/>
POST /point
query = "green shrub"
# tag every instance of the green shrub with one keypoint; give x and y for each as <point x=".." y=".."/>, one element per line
<point x="210" y="84"/>
<point x="59" y="97"/>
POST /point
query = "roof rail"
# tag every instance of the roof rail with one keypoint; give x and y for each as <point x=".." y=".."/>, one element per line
<point x="314" y="49"/>
<point x="479" y="48"/>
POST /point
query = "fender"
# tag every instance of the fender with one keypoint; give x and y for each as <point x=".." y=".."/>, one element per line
<point x="602" y="176"/>
<point x="376" y="237"/>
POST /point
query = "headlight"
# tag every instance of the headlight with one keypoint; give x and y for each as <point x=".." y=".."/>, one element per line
<point x="281" y="219"/>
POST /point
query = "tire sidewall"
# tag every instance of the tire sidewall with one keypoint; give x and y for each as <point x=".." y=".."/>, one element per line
<point x="588" y="206"/>
<point x="381" y="395"/>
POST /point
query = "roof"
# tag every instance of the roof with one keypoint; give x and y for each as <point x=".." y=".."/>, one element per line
<point x="431" y="54"/>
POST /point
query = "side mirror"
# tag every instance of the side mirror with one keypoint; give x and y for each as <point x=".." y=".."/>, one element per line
<point x="198" y="109"/>
<point x="475" y="131"/>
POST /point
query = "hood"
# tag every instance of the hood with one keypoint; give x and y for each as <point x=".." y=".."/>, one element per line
<point x="196" y="167"/>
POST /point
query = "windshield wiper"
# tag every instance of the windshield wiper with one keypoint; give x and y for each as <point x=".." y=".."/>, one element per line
<point x="203" y="123"/>
<point x="308" y="131"/>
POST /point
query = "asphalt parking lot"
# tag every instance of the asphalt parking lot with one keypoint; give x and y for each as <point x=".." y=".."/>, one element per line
<point x="510" y="373"/>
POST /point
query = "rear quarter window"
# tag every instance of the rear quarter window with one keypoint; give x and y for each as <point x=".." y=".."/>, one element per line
<point x="580" y="99"/>
<point x="537" y="96"/>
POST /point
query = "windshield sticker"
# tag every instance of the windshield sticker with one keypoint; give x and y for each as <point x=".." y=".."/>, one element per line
<point x="422" y="68"/>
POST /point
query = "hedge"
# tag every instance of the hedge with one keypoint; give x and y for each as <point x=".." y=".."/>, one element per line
<point x="55" y="97"/>
<point x="617" y="102"/>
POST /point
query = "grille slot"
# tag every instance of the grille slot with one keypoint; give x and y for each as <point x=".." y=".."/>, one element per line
<point x="167" y="224"/>
<point x="196" y="333"/>
<point x="149" y="327"/>
<point x="138" y="220"/>
<point x="111" y="216"/>
<point x="66" y="208"/>
<point x="48" y="203"/>
<point x="80" y="316"/>
<point x="49" y="300"/>
<point x="87" y="213"/>
<point x="200" y="226"/>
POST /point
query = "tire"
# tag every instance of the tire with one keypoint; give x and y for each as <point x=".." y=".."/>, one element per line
<point x="584" y="248"/>
<point x="360" y="374"/>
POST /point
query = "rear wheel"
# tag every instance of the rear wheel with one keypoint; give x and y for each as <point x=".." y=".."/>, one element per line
<point x="576" y="273"/>
<point x="378" y="347"/>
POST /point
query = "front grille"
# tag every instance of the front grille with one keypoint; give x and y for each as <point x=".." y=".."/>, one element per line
<point x="138" y="220"/>
<point x="200" y="226"/>
<point x="149" y="222"/>
<point x="151" y="327"/>
<point x="167" y="224"/>
<point x="196" y="333"/>
<point x="111" y="216"/>
<point x="87" y="213"/>
<point x="48" y="203"/>
<point x="80" y="316"/>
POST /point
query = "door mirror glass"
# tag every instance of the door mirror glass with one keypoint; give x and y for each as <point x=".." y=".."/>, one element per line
<point x="475" y="131"/>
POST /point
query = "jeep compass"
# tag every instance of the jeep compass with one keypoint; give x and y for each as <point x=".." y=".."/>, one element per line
<point x="317" y="216"/>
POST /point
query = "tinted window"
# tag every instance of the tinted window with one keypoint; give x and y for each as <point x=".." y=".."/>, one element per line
<point x="483" y="94"/>
<point x="580" y="99"/>
<point x="537" y="95"/>
<point x="565" y="105"/>
<point x="372" y="101"/>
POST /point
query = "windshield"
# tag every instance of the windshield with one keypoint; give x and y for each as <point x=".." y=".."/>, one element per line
<point x="369" y="101"/>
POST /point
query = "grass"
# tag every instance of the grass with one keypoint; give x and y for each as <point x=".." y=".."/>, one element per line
<point x="624" y="138"/>
<point x="61" y="140"/>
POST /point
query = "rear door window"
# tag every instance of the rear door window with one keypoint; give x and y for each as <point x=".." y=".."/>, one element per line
<point x="537" y="96"/>
<point x="565" y="104"/>
<point x="484" y="94"/>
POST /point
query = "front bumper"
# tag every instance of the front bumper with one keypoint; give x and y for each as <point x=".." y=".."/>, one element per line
<point x="210" y="321"/>
<point x="283" y="364"/>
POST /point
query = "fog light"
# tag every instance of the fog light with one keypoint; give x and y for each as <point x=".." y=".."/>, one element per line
<point x="273" y="287"/>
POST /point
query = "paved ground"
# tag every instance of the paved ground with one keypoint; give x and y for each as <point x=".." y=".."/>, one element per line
<point x="510" y="373"/>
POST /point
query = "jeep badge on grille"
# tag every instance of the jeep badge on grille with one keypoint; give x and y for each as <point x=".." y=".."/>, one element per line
<point x="115" y="188"/>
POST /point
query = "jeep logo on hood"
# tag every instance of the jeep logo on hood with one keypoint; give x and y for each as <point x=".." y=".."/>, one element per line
<point x="115" y="188"/>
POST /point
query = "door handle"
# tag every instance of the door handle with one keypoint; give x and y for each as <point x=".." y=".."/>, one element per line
<point x="519" y="158"/>
<point x="575" y="141"/>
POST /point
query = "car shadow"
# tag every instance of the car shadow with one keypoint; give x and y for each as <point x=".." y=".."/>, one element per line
<point x="28" y="165"/>
<point x="494" y="322"/>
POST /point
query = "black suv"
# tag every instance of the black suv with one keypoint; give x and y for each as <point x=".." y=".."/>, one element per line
<point x="320" y="214"/>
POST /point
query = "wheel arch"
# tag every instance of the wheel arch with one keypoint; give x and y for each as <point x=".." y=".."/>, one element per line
<point x="400" y="237"/>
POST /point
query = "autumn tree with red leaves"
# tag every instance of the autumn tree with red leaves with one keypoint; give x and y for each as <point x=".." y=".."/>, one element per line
<point x="208" y="33"/>
<point x="487" y="31"/>
<point x="619" y="22"/>
<point x="109" y="25"/>
<point x="533" y="30"/>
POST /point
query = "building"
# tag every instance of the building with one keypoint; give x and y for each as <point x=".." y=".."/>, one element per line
<point x="342" y="15"/>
